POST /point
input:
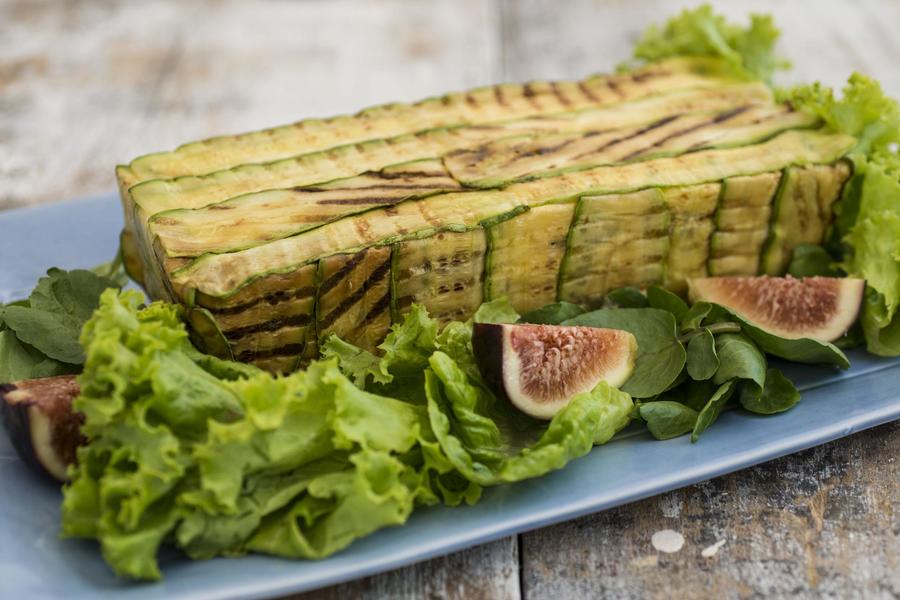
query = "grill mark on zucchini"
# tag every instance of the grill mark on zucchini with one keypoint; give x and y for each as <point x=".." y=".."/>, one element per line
<point x="720" y="118"/>
<point x="590" y="95"/>
<point x="383" y="304"/>
<point x="499" y="97"/>
<point x="558" y="94"/>
<point x="343" y="272"/>
<point x="274" y="324"/>
<point x="377" y="275"/>
<point x="272" y="298"/>
<point x="642" y="131"/>
<point x="288" y="350"/>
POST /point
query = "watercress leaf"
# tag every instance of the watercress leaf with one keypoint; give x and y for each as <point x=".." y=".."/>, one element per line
<point x="496" y="311"/>
<point x="739" y="358"/>
<point x="713" y="409"/>
<point x="662" y="298"/>
<point x="666" y="419"/>
<point x="695" y="315"/>
<point x="552" y="314"/>
<point x="802" y="350"/>
<point x="625" y="297"/>
<point x="777" y="395"/>
<point x="809" y="260"/>
<point x="702" y="361"/>
<point x="660" y="356"/>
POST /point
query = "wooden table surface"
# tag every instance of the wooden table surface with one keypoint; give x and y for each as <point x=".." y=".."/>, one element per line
<point x="86" y="85"/>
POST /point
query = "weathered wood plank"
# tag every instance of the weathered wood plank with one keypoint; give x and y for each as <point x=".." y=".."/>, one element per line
<point x="86" y="85"/>
<point x="825" y="40"/>
<point x="488" y="572"/>
<point x="822" y="523"/>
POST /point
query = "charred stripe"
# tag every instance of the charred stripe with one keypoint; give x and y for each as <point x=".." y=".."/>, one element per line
<point x="343" y="272"/>
<point x="295" y="321"/>
<point x="376" y="276"/>
<point x="272" y="298"/>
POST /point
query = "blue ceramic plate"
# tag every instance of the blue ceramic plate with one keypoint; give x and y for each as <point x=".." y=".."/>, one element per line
<point x="34" y="563"/>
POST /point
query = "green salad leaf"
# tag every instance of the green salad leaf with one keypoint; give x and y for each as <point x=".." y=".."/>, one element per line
<point x="712" y="409"/>
<point x="667" y="419"/>
<point x="777" y="395"/>
<point x="801" y="350"/>
<point x="747" y="52"/>
<point x="867" y="223"/>
<point x="702" y="360"/>
<point x="221" y="458"/>
<point x="809" y="260"/>
<point x="39" y="335"/>
<point x="553" y="314"/>
<point x="488" y="454"/>
<point x="660" y="355"/>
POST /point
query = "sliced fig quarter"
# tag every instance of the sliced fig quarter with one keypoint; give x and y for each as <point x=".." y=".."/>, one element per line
<point x="41" y="424"/>
<point x="539" y="368"/>
<point x="821" y="308"/>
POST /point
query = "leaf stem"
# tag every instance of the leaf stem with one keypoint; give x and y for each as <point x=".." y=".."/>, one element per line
<point x="726" y="327"/>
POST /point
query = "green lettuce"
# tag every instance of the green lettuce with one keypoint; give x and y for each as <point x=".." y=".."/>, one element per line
<point x="867" y="224"/>
<point x="746" y="52"/>
<point x="220" y="458"/>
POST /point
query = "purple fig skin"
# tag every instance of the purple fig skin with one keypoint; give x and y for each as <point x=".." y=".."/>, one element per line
<point x="487" y="345"/>
<point x="43" y="404"/>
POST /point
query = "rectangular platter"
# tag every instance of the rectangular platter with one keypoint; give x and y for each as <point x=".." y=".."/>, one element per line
<point x="35" y="563"/>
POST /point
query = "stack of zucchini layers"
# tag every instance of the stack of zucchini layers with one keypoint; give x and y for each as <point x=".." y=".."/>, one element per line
<point x="546" y="191"/>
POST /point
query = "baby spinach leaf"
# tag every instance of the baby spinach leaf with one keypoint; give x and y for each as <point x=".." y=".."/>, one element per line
<point x="660" y="356"/>
<point x="702" y="361"/>
<point x="691" y="393"/>
<point x="659" y="297"/>
<point x="695" y="315"/>
<point x="739" y="358"/>
<point x="713" y="409"/>
<point x="802" y="350"/>
<point x="625" y="297"/>
<point x="553" y="314"/>
<point x="809" y="260"/>
<point x="777" y="395"/>
<point x="667" y="419"/>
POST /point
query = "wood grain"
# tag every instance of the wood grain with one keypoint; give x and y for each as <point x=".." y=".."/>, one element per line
<point x="822" y="523"/>
<point x="85" y="85"/>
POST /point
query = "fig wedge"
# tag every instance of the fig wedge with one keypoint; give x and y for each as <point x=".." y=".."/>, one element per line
<point x="539" y="368"/>
<point x="41" y="424"/>
<point x="820" y="308"/>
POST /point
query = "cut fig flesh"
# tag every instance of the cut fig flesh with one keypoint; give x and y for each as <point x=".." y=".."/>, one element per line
<point x="821" y="308"/>
<point x="41" y="424"/>
<point x="539" y="368"/>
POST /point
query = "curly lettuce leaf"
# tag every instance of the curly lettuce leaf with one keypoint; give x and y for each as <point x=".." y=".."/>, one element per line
<point x="489" y="455"/>
<point x="222" y="460"/>
<point x="747" y="52"/>
<point x="486" y="439"/>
